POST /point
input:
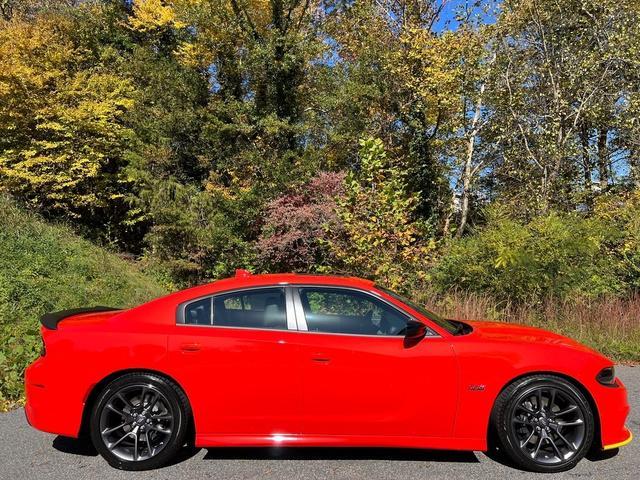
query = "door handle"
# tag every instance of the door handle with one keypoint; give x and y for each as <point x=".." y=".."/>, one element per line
<point x="190" y="347"/>
<point x="321" y="359"/>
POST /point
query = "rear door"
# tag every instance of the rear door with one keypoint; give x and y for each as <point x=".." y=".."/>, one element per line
<point x="233" y="353"/>
<point x="361" y="378"/>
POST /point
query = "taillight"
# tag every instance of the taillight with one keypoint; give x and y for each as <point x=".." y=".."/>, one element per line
<point x="43" y="348"/>
<point x="607" y="376"/>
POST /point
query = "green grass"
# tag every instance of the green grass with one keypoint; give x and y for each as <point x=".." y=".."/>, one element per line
<point x="45" y="268"/>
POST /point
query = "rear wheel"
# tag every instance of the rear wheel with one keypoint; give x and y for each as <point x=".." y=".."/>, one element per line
<point x="544" y="423"/>
<point x="140" y="421"/>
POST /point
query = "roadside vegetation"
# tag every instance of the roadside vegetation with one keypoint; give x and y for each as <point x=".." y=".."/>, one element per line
<point x="45" y="268"/>
<point x="482" y="156"/>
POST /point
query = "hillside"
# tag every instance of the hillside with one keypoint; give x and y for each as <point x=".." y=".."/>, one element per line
<point x="44" y="268"/>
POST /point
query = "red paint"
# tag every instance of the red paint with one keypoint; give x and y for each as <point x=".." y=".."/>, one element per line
<point x="279" y="387"/>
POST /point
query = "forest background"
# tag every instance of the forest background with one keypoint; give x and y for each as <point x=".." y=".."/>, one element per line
<point x="480" y="156"/>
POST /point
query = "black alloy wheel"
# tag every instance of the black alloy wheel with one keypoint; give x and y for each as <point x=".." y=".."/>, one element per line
<point x="544" y="423"/>
<point x="139" y="421"/>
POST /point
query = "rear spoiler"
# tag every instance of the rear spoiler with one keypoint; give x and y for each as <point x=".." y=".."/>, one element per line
<point x="51" y="320"/>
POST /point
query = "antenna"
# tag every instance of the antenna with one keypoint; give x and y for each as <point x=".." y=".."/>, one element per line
<point x="242" y="273"/>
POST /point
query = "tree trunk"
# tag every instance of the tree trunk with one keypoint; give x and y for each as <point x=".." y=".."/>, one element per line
<point x="468" y="172"/>
<point x="603" y="158"/>
<point x="586" y="158"/>
<point x="466" y="185"/>
<point x="447" y="220"/>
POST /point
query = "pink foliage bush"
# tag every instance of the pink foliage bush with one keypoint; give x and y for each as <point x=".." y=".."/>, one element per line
<point x="297" y="225"/>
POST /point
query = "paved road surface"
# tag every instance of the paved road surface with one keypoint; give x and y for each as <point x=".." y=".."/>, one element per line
<point x="29" y="454"/>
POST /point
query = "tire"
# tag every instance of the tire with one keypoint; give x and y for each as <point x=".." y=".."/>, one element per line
<point x="543" y="423"/>
<point x="139" y="421"/>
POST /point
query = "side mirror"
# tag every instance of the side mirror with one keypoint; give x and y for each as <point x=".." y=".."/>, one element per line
<point x="415" y="330"/>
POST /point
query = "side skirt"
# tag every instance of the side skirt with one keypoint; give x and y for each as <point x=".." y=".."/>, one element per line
<point x="289" y="440"/>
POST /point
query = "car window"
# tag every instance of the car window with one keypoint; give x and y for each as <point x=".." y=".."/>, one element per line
<point x="256" y="308"/>
<point x="259" y="308"/>
<point x="335" y="310"/>
<point x="198" y="312"/>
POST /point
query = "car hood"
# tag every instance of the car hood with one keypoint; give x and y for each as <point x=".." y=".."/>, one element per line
<point x="513" y="332"/>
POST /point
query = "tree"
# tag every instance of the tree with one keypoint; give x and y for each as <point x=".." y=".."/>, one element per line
<point x="380" y="239"/>
<point x="64" y="141"/>
<point x="559" y="89"/>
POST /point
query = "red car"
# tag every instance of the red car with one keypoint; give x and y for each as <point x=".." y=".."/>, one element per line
<point x="304" y="360"/>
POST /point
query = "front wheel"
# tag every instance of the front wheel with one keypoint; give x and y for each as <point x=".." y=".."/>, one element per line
<point x="139" y="421"/>
<point x="544" y="423"/>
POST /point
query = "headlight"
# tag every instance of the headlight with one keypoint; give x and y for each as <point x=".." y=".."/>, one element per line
<point x="607" y="376"/>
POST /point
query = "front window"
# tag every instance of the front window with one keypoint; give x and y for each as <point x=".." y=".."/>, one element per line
<point x="441" y="322"/>
<point x="335" y="310"/>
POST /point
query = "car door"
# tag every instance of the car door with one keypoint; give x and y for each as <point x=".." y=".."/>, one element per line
<point x="233" y="354"/>
<point x="361" y="377"/>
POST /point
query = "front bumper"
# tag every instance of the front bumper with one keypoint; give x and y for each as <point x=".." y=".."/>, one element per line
<point x="620" y="444"/>
<point x="613" y="407"/>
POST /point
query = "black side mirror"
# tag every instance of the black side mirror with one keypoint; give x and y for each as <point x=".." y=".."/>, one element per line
<point x="415" y="330"/>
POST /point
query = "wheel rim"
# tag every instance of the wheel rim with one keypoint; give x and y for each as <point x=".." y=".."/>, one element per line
<point x="136" y="422"/>
<point x="548" y="425"/>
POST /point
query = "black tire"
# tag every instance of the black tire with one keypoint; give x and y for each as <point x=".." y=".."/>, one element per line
<point x="167" y="434"/>
<point x="551" y="437"/>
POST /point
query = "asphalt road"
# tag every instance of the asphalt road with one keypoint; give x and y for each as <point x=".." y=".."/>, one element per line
<point x="28" y="454"/>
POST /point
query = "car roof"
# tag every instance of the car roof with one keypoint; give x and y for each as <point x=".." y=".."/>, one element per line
<point x="244" y="279"/>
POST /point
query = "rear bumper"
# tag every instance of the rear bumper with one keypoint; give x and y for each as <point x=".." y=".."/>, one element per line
<point x="48" y="407"/>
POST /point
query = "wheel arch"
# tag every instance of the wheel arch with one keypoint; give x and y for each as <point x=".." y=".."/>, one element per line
<point x="97" y="388"/>
<point x="576" y="383"/>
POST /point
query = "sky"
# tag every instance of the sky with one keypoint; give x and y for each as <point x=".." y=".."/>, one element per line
<point x="451" y="7"/>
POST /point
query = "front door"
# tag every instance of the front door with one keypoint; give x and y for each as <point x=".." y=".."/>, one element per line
<point x="360" y="376"/>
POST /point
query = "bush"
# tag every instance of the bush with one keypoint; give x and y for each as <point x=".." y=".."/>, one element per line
<point x="380" y="237"/>
<point x="298" y="225"/>
<point x="555" y="255"/>
<point x="45" y="268"/>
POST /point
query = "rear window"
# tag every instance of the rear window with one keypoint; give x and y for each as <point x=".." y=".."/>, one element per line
<point x="263" y="308"/>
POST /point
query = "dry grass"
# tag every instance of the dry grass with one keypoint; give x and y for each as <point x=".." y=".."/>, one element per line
<point x="610" y="325"/>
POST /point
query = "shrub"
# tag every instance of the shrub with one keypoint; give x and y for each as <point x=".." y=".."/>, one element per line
<point x="380" y="236"/>
<point x="556" y="255"/>
<point x="297" y="225"/>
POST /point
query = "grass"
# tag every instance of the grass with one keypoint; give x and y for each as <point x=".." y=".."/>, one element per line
<point x="609" y="324"/>
<point x="45" y="268"/>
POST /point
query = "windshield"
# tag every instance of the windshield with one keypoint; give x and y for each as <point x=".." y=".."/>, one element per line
<point x="441" y="322"/>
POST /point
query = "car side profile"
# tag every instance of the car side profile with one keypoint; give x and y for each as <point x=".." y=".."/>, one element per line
<point x="306" y="360"/>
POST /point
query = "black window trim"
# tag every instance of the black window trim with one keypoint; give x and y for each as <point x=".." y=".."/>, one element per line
<point x="302" y="322"/>
<point x="289" y="315"/>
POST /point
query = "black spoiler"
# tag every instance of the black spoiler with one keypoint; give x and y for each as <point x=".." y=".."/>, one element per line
<point x="51" y="320"/>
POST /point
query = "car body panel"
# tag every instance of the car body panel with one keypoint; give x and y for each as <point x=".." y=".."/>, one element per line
<point x="253" y="376"/>
<point x="368" y="385"/>
<point x="290" y="387"/>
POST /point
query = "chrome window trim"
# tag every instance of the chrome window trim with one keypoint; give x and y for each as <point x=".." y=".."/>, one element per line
<point x="182" y="307"/>
<point x="299" y="310"/>
<point x="289" y="305"/>
<point x="302" y="321"/>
